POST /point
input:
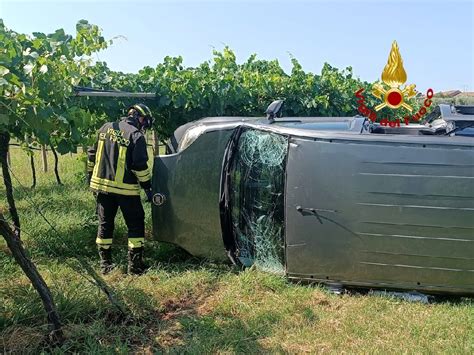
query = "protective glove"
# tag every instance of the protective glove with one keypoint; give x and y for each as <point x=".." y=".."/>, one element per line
<point x="149" y="195"/>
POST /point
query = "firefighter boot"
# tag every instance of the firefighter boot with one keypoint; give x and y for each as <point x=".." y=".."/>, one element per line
<point x="106" y="265"/>
<point x="135" y="261"/>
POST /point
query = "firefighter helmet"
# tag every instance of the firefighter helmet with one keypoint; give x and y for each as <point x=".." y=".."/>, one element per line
<point x="141" y="110"/>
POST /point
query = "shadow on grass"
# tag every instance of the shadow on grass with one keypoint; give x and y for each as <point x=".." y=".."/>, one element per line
<point x="174" y="259"/>
<point x="62" y="245"/>
<point x="454" y="300"/>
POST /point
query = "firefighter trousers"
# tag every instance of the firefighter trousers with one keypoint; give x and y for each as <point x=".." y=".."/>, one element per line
<point x="132" y="211"/>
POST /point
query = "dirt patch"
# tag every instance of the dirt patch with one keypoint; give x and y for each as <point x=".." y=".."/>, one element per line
<point x="189" y="304"/>
<point x="173" y="308"/>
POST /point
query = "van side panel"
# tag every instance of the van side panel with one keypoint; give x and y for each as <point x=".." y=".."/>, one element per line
<point x="381" y="214"/>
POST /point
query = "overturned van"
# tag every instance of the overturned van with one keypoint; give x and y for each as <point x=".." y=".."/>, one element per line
<point x="332" y="200"/>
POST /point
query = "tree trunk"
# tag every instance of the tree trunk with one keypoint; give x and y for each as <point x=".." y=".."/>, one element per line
<point x="4" y="140"/>
<point x="45" y="158"/>
<point x="56" y="172"/>
<point x="32" y="161"/>
<point x="12" y="237"/>
<point x="9" y="159"/>
<point x="33" y="169"/>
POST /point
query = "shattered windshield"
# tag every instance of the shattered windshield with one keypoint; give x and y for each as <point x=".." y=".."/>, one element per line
<point x="257" y="199"/>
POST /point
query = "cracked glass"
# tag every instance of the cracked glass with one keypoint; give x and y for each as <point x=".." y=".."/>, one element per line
<point x="257" y="199"/>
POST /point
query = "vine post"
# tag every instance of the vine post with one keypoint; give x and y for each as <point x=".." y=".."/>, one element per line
<point x="44" y="157"/>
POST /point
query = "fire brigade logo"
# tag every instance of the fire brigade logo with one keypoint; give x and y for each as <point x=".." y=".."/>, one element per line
<point x="394" y="76"/>
<point x="393" y="94"/>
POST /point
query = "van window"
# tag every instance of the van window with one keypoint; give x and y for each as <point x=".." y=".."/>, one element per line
<point x="257" y="199"/>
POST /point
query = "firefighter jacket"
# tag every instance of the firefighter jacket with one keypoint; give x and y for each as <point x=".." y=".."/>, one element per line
<point x="118" y="161"/>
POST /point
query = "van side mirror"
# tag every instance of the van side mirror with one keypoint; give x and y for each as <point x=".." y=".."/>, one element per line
<point x="274" y="110"/>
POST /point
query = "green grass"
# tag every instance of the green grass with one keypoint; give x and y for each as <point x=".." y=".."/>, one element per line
<point x="189" y="305"/>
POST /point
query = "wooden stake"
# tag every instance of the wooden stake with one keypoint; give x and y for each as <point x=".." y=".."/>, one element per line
<point x="33" y="170"/>
<point x="45" y="158"/>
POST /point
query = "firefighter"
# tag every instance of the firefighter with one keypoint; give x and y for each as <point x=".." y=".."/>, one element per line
<point x="118" y="167"/>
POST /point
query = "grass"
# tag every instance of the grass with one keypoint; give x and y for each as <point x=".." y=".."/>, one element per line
<point x="189" y="305"/>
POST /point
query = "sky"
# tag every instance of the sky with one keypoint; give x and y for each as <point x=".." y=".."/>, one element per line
<point x="436" y="38"/>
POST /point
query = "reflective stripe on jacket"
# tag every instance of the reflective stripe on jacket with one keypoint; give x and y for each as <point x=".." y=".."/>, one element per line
<point x="119" y="160"/>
